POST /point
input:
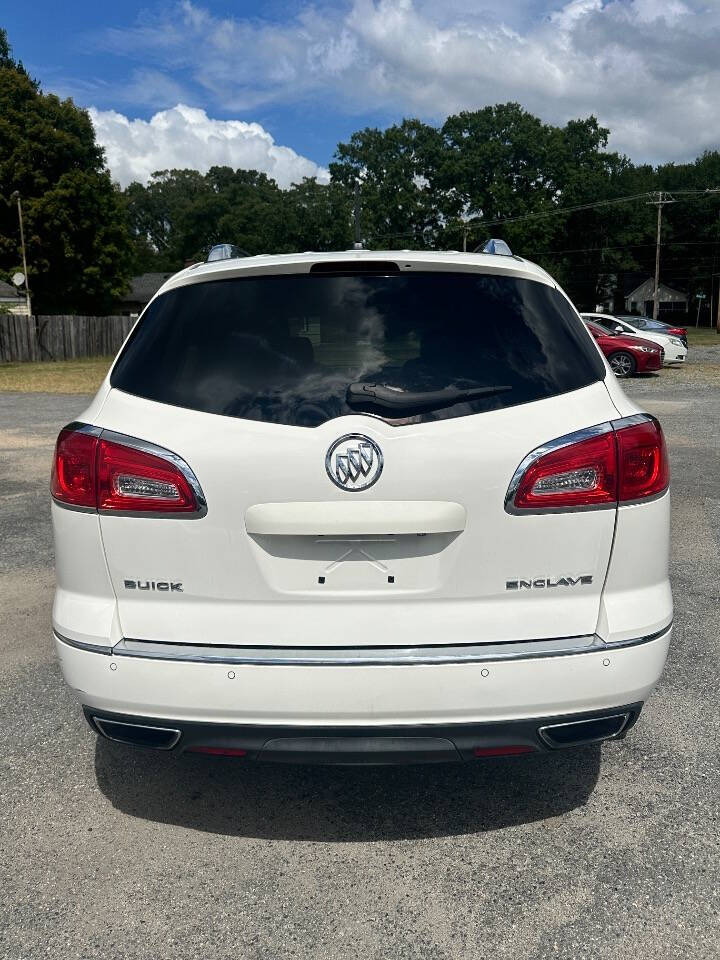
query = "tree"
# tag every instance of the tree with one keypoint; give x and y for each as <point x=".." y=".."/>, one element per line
<point x="497" y="171"/>
<point x="390" y="168"/>
<point x="180" y="214"/>
<point x="77" y="242"/>
<point x="318" y="216"/>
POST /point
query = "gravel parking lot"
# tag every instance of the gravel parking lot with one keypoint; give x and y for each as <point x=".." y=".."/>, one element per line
<point x="601" y="853"/>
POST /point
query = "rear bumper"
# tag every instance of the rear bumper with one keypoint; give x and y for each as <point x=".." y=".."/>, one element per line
<point x="427" y="743"/>
<point x="377" y="695"/>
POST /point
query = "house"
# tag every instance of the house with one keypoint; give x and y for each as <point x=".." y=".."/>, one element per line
<point x="640" y="299"/>
<point x="142" y="289"/>
<point x="12" y="300"/>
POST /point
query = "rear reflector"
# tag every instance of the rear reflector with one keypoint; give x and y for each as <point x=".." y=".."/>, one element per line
<point x="219" y="751"/>
<point x="508" y="751"/>
<point x="623" y="462"/>
<point x="118" y="474"/>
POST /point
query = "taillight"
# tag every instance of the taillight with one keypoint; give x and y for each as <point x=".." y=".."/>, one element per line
<point x="643" y="461"/>
<point x="113" y="473"/>
<point x="614" y="463"/>
<point x="578" y="475"/>
<point x="134" y="480"/>
<point x="73" y="469"/>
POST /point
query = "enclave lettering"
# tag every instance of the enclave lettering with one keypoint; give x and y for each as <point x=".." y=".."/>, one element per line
<point x="543" y="582"/>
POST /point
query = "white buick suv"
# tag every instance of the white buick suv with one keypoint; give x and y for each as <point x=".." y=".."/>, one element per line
<point x="361" y="507"/>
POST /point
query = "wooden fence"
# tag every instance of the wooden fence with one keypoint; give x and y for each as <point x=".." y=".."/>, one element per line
<point x="60" y="338"/>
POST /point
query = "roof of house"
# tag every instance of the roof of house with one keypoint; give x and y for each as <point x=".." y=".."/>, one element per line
<point x="650" y="280"/>
<point x="7" y="291"/>
<point x="144" y="287"/>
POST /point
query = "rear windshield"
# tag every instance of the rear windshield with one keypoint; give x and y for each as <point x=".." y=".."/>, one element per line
<point x="284" y="349"/>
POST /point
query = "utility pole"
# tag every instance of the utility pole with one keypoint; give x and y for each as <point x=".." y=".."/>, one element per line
<point x="16" y="196"/>
<point x="465" y="233"/>
<point x="357" y="245"/>
<point x="656" y="287"/>
<point x="660" y="202"/>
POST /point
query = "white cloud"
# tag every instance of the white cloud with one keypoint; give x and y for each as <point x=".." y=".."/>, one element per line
<point x="186" y="137"/>
<point x="647" y="68"/>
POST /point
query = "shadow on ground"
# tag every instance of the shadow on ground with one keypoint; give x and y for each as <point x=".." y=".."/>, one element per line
<point x="235" y="797"/>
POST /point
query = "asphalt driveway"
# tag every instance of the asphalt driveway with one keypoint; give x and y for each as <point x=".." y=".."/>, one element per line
<point x="600" y="853"/>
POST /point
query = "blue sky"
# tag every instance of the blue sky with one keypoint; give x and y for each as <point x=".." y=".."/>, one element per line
<point x="82" y="67"/>
<point x="277" y="84"/>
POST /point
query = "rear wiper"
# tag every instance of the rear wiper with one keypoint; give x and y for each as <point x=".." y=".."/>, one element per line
<point x="362" y="394"/>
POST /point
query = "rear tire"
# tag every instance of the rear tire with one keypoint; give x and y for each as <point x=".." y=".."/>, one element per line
<point x="622" y="364"/>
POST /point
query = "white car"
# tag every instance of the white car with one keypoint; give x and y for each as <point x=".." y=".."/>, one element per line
<point x="675" y="349"/>
<point x="361" y="507"/>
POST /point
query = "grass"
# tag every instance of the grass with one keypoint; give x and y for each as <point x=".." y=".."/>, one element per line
<point x="64" y="376"/>
<point x="702" y="337"/>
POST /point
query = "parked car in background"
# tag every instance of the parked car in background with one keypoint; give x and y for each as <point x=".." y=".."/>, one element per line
<point x="648" y="324"/>
<point x="675" y="349"/>
<point x="361" y="507"/>
<point x="627" y="355"/>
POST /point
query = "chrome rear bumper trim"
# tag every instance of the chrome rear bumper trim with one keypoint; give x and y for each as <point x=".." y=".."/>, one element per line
<point x="374" y="656"/>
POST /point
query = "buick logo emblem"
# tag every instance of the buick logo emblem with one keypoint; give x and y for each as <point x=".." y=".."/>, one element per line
<point x="354" y="462"/>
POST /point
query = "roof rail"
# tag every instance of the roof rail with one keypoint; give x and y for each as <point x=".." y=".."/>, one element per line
<point x="495" y="246"/>
<point x="225" y="251"/>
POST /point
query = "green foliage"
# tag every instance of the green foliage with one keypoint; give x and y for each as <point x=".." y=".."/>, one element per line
<point x="77" y="242"/>
<point x="180" y="214"/>
<point x="422" y="186"/>
<point x="391" y="167"/>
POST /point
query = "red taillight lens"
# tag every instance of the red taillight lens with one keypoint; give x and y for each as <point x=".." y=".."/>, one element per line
<point x="622" y="465"/>
<point x="219" y="751"/>
<point x="130" y="479"/>
<point x="578" y="475"/>
<point x="511" y="750"/>
<point x="90" y="470"/>
<point x="73" y="469"/>
<point x="643" y="460"/>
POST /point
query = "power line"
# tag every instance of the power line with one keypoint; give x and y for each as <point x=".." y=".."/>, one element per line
<point x="560" y="211"/>
<point x="624" y="246"/>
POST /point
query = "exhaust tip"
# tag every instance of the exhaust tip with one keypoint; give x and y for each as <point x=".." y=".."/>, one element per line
<point x="577" y="732"/>
<point x="137" y="734"/>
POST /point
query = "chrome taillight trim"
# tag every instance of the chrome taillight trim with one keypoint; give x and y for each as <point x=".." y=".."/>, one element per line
<point x="144" y="446"/>
<point x="567" y="440"/>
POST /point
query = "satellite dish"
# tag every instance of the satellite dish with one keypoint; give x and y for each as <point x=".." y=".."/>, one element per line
<point x="18" y="279"/>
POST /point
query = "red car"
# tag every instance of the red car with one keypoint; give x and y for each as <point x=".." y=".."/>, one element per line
<point x="627" y="355"/>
